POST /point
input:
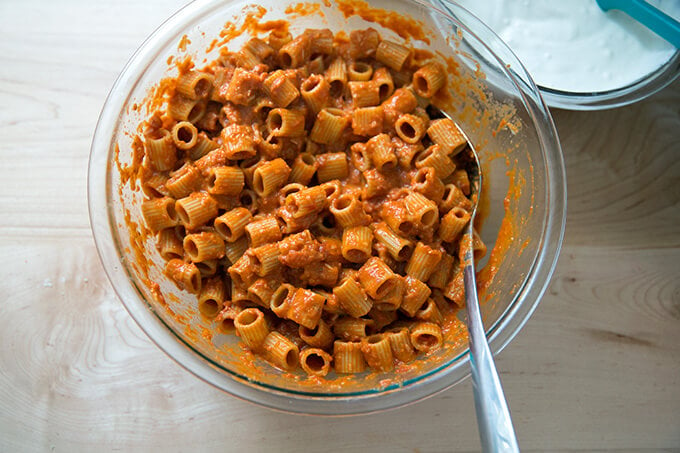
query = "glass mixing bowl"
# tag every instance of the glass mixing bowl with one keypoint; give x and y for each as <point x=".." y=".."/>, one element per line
<point x="645" y="87"/>
<point x="492" y="98"/>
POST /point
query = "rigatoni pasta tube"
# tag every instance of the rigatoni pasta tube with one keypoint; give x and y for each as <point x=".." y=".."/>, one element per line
<point x="377" y="278"/>
<point x="356" y="244"/>
<point x="400" y="248"/>
<point x="195" y="84"/>
<point x="377" y="352"/>
<point x="383" y="79"/>
<point x="392" y="54"/>
<point x="430" y="312"/>
<point x="363" y="43"/>
<point x="410" y="128"/>
<point x="332" y="166"/>
<point x="184" y="181"/>
<point x="426" y="336"/>
<point x="294" y="53"/>
<point x="453" y="223"/>
<point x="429" y="79"/>
<point x="203" y="246"/>
<point x="159" y="213"/>
<point x="347" y="357"/>
<point x="329" y="126"/>
<point x="185" y="275"/>
<point x="160" y="150"/>
<point x="382" y="154"/>
<point x="196" y="209"/>
<point x="423" y="211"/>
<point x="352" y="298"/>
<point x="308" y="201"/>
<point x="446" y="134"/>
<point x="235" y="250"/>
<point x="304" y="167"/>
<point x="364" y="94"/>
<point x="336" y="74"/>
<point x="238" y="142"/>
<point x="319" y="337"/>
<point x="270" y="177"/>
<point x="265" y="259"/>
<point x="400" y="343"/>
<point x="452" y="197"/>
<point x="367" y="121"/>
<point x="260" y="292"/>
<point x="440" y="277"/>
<point x="232" y="224"/>
<point x="435" y="158"/>
<point x="415" y="294"/>
<point x="242" y="272"/>
<point x="183" y="108"/>
<point x="252" y="327"/>
<point x="281" y="89"/>
<point x="348" y="211"/>
<point x="359" y="71"/>
<point x="226" y="181"/>
<point x="169" y="244"/>
<point x="350" y="328"/>
<point x="315" y="91"/>
<point x="263" y="230"/>
<point x="426" y="182"/>
<point x="305" y="307"/>
<point x="211" y="297"/>
<point x="281" y="351"/>
<point x="286" y="123"/>
<point x="423" y="262"/>
<point x="315" y="361"/>
<point x="280" y="299"/>
<point x="184" y="135"/>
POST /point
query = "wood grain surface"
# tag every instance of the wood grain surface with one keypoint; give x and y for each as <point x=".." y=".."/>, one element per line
<point x="597" y="368"/>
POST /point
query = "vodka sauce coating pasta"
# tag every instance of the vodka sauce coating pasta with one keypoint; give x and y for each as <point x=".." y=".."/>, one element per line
<point x="303" y="191"/>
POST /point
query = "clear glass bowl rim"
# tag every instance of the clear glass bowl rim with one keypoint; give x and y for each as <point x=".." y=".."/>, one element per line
<point x="445" y="376"/>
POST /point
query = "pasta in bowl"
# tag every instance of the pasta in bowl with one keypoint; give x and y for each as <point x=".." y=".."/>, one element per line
<point x="287" y="200"/>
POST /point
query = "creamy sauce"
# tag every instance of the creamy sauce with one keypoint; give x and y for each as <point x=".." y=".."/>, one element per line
<point x="572" y="45"/>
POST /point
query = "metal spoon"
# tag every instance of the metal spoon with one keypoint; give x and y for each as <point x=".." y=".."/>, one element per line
<point x="493" y="417"/>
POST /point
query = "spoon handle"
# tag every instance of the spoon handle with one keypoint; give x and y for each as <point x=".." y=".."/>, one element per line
<point x="493" y="417"/>
<point x="656" y="20"/>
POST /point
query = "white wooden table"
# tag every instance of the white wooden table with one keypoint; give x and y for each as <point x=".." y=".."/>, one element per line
<point x="597" y="368"/>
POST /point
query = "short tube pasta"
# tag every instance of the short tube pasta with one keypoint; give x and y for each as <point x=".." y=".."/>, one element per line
<point x="232" y="224"/>
<point x="356" y="244"/>
<point x="329" y="126"/>
<point x="423" y="262"/>
<point x="282" y="352"/>
<point x="352" y="298"/>
<point x="270" y="177"/>
<point x="203" y="246"/>
<point x="211" y="297"/>
<point x="347" y="357"/>
<point x="185" y="275"/>
<point x="429" y="79"/>
<point x="196" y="210"/>
<point x="377" y="352"/>
<point x="315" y="361"/>
<point x="453" y="224"/>
<point x="304" y="191"/>
<point x="226" y="181"/>
<point x="159" y="213"/>
<point x="392" y="54"/>
<point x="426" y="336"/>
<point x="263" y="230"/>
